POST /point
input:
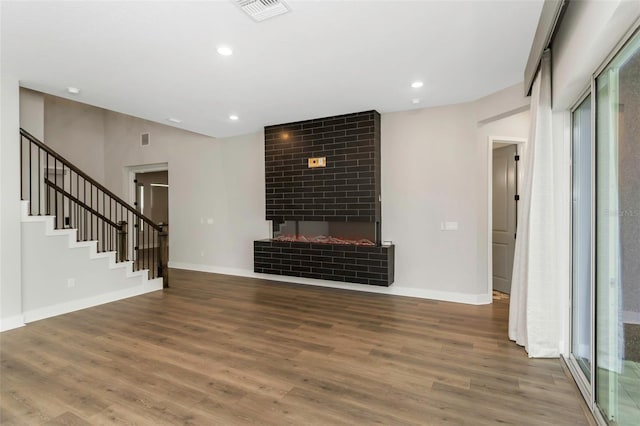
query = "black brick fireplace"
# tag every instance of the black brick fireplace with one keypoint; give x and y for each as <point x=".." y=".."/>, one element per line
<point x="323" y="175"/>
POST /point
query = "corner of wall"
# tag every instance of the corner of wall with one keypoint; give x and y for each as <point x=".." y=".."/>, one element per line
<point x="10" y="213"/>
<point x="10" y="323"/>
<point x="501" y="104"/>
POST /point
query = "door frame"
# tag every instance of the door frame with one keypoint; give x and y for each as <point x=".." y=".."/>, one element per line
<point x="131" y="172"/>
<point x="145" y="168"/>
<point x="491" y="140"/>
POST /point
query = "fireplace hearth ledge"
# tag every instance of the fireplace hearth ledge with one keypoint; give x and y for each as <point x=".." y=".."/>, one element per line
<point x="372" y="265"/>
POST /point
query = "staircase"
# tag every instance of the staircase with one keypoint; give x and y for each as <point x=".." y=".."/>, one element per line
<point x="81" y="244"/>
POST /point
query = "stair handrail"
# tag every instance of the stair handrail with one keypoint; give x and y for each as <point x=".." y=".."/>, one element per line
<point x="88" y="178"/>
<point x="118" y="238"/>
<point x="76" y="200"/>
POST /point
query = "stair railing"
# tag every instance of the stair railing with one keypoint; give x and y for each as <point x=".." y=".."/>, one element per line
<point x="55" y="187"/>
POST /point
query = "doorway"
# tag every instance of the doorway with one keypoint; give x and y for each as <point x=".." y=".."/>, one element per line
<point x="152" y="195"/>
<point x="504" y="174"/>
<point x="149" y="194"/>
<point x="505" y="211"/>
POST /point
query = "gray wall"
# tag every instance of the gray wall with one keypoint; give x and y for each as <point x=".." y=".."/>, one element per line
<point x="32" y="112"/>
<point x="434" y="169"/>
<point x="76" y="131"/>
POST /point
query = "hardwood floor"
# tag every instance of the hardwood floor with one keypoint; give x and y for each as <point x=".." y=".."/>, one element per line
<point x="216" y="349"/>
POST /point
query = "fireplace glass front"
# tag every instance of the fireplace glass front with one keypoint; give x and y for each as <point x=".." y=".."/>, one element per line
<point x="350" y="233"/>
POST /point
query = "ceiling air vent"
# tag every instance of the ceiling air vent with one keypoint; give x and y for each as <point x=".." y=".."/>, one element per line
<point x="259" y="10"/>
<point x="145" y="139"/>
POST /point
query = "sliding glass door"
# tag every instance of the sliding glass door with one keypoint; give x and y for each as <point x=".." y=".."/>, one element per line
<point x="617" y="238"/>
<point x="581" y="246"/>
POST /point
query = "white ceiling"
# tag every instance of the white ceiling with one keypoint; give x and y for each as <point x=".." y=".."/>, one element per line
<point x="157" y="59"/>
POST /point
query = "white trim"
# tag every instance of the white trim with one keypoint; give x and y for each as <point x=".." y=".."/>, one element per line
<point x="76" y="305"/>
<point x="598" y="416"/>
<point x="580" y="379"/>
<point x="490" y="141"/>
<point x="469" y="299"/>
<point x="10" y="323"/>
<point x="146" y="168"/>
<point x="622" y="43"/>
<point x="630" y="317"/>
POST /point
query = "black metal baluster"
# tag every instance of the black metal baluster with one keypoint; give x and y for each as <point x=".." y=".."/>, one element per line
<point x="154" y="266"/>
<point x="48" y="188"/>
<point x="39" y="185"/>
<point x="136" y="242"/>
<point x="77" y="204"/>
<point x="84" y="210"/>
<point x="55" y="186"/>
<point x="64" y="219"/>
<point x="102" y="210"/>
<point x="91" y="206"/>
<point x="146" y="253"/>
<point x="30" y="199"/>
<point x="21" y="168"/>
<point x="108" y="215"/>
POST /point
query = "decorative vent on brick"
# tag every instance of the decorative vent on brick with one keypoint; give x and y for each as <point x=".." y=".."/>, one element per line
<point x="145" y="139"/>
<point x="259" y="10"/>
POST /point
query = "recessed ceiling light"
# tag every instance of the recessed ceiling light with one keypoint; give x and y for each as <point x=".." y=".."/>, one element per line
<point x="73" y="90"/>
<point x="225" y="51"/>
<point x="415" y="101"/>
<point x="417" y="84"/>
<point x="174" y="120"/>
<point x="233" y="117"/>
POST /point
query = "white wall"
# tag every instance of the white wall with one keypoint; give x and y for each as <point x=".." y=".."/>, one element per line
<point x="10" y="288"/>
<point x="588" y="33"/>
<point x="51" y="258"/>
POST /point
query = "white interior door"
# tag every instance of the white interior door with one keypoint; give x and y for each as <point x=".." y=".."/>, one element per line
<point x="504" y="216"/>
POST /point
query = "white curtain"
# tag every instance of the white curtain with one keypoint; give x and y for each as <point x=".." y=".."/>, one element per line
<point x="534" y="317"/>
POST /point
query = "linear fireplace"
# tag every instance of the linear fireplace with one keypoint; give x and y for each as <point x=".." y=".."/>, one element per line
<point x="321" y="232"/>
<point x="322" y="186"/>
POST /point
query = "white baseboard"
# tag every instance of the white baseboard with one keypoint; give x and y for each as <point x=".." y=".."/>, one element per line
<point x="11" y="323"/>
<point x="631" y="317"/>
<point x="76" y="305"/>
<point x="394" y="289"/>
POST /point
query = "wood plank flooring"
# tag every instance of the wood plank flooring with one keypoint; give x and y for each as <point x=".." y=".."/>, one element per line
<point x="221" y="350"/>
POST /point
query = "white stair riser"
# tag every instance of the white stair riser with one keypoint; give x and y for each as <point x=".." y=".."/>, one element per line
<point x="60" y="274"/>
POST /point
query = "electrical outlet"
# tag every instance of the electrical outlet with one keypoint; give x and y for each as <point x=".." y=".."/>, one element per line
<point x="201" y="254"/>
<point x="71" y="282"/>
